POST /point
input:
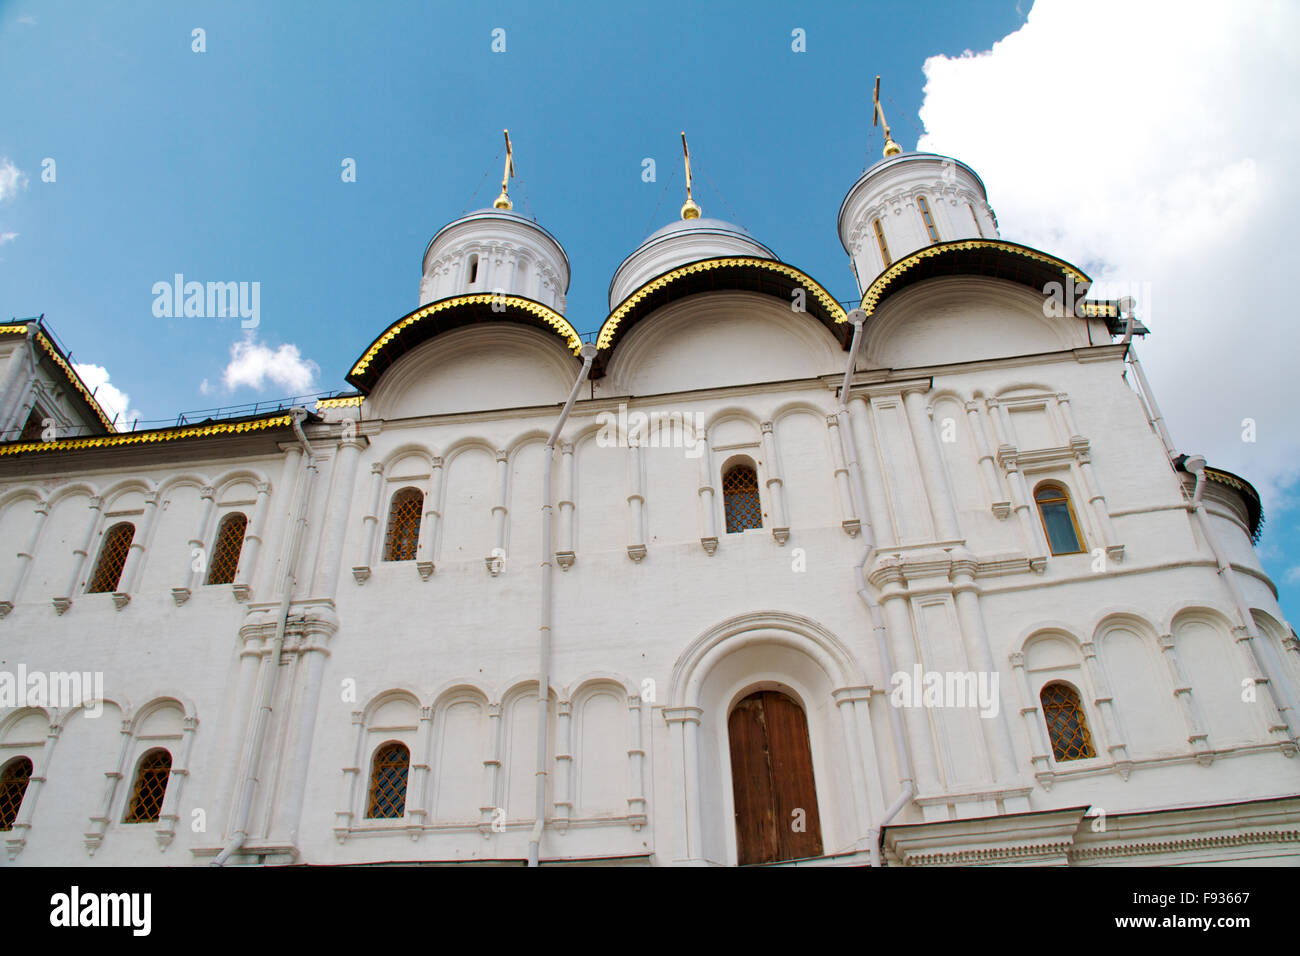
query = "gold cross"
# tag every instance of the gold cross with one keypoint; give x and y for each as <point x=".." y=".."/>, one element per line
<point x="503" y="201"/>
<point x="878" y="112"/>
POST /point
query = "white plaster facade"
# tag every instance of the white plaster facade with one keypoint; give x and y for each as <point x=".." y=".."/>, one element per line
<point x="965" y="397"/>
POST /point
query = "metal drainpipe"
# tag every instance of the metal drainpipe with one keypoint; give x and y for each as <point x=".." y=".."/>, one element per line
<point x="1148" y="398"/>
<point x="881" y="631"/>
<point x="588" y="354"/>
<point x="1196" y="465"/>
<point x="248" y="781"/>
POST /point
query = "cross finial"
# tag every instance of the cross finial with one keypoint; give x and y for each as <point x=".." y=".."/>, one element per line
<point x="503" y="201"/>
<point x="878" y="113"/>
<point x="690" y="208"/>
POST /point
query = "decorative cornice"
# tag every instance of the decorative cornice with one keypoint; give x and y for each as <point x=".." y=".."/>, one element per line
<point x="150" y="437"/>
<point x="549" y="316"/>
<point x="609" y="329"/>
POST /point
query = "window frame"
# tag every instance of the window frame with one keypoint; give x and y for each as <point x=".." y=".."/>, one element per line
<point x="882" y="243"/>
<point x="386" y="547"/>
<point x="129" y="815"/>
<point x="927" y="217"/>
<point x="372" y="782"/>
<point x="6" y="774"/>
<point x="92" y="582"/>
<point x="1082" y="716"/>
<point x="729" y="466"/>
<point x="1065" y="496"/>
<point x="217" y="542"/>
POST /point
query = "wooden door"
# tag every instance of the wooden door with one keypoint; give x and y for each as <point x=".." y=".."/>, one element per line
<point x="772" y="780"/>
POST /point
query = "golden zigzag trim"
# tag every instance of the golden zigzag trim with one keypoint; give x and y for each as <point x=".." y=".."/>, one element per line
<point x="882" y="281"/>
<point x="71" y="375"/>
<point x="344" y="402"/>
<point x="607" y="331"/>
<point x="139" y="438"/>
<point x="548" y="315"/>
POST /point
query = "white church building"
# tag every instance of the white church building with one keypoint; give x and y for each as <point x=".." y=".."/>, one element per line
<point x="753" y="577"/>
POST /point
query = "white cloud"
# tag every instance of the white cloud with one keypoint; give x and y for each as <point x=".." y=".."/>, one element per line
<point x="1293" y="575"/>
<point x="7" y="237"/>
<point x="255" y="365"/>
<point x="12" y="179"/>
<point x="1153" y="143"/>
<point x="111" y="399"/>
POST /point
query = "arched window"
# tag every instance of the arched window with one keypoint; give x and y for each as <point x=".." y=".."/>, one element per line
<point x="151" y="777"/>
<point x="473" y="268"/>
<point x="924" y="206"/>
<point x="740" y="498"/>
<point x="226" y="548"/>
<point x="388" y="782"/>
<point x="403" y="525"/>
<point x="1057" y="514"/>
<point x="1066" y="725"/>
<point x="112" y="558"/>
<point x="880" y="238"/>
<point x="772" y="780"/>
<point x="978" y="227"/>
<point x="13" y="784"/>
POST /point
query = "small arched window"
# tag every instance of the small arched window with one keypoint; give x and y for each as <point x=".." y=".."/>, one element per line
<point x="226" y="548"/>
<point x="473" y="268"/>
<point x="1066" y="725"/>
<point x="13" y="785"/>
<point x="151" y="777"/>
<point x="924" y="206"/>
<point x="388" y="782"/>
<point x="978" y="227"/>
<point x="112" y="558"/>
<point x="403" y="535"/>
<point x="740" y="500"/>
<point x="1059" y="522"/>
<point x="884" y="246"/>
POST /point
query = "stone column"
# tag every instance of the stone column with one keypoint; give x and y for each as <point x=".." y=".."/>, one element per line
<point x="491" y="770"/>
<point x="25" y="557"/>
<point x="636" y="806"/>
<point x="243" y="585"/>
<point x="428" y="538"/>
<point x="708" y="512"/>
<point x="916" y="720"/>
<point x="499" y="513"/>
<point x="1001" y="504"/>
<point x="563" y="765"/>
<point x="843" y="491"/>
<point x="330" y="559"/>
<point x="1105" y="702"/>
<point x="636" y="550"/>
<point x="1040" y="747"/>
<point x="933" y="476"/>
<point x="970" y="615"/>
<point x="1197" y="736"/>
<point x="16" y="839"/>
<point x="684" y="724"/>
<point x="775" y="487"/>
<point x="878" y="510"/>
<point x="565" y="554"/>
<point x="61" y="604"/>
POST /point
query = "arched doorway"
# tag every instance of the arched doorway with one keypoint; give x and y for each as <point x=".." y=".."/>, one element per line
<point x="772" y="780"/>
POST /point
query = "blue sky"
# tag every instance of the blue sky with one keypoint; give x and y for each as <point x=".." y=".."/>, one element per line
<point x="225" y="165"/>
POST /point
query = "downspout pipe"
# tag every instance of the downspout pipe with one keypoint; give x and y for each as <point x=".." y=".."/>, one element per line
<point x="1148" y="397"/>
<point x="1195" y="464"/>
<point x="248" y="779"/>
<point x="879" y="630"/>
<point x="588" y="354"/>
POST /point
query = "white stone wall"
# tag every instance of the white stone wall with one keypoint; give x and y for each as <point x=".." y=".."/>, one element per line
<point x="662" y="619"/>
